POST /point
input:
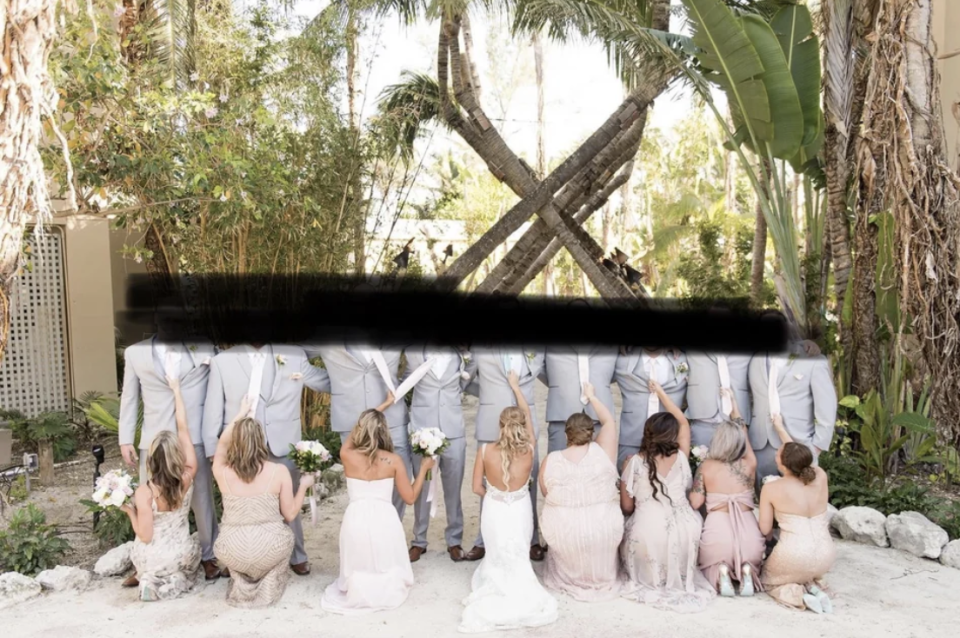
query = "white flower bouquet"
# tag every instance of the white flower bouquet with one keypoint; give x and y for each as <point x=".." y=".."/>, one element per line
<point x="428" y="442"/>
<point x="770" y="478"/>
<point x="698" y="455"/>
<point x="311" y="457"/>
<point x="114" y="489"/>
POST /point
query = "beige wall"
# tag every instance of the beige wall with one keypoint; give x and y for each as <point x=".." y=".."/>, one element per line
<point x="946" y="34"/>
<point x="120" y="268"/>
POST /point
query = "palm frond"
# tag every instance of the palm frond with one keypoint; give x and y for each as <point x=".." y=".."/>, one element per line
<point x="404" y="109"/>
<point x="839" y="61"/>
<point x="170" y="27"/>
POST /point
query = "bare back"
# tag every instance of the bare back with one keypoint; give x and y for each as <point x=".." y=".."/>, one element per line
<point x="358" y="466"/>
<point x="269" y="480"/>
<point x="520" y="468"/>
<point x="790" y="496"/>
<point x="728" y="478"/>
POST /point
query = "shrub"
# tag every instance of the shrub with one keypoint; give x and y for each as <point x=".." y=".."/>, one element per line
<point x="30" y="545"/>
<point x="113" y="528"/>
<point x="49" y="426"/>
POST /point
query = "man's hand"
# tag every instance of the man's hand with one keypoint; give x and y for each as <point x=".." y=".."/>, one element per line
<point x="130" y="455"/>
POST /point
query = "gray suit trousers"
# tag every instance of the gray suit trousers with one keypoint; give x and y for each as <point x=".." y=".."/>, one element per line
<point x="204" y="512"/>
<point x="624" y="452"/>
<point x="451" y="464"/>
<point x="701" y="432"/>
<point x="767" y="463"/>
<point x="557" y="435"/>
<point x="534" y="488"/>
<point x="299" y="554"/>
<point x="401" y="445"/>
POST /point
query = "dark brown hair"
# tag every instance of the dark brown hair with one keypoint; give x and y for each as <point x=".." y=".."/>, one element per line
<point x="799" y="460"/>
<point x="579" y="429"/>
<point x="659" y="439"/>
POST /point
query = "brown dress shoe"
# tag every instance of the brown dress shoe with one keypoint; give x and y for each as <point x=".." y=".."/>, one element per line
<point x="131" y="581"/>
<point x="224" y="572"/>
<point x="210" y="569"/>
<point x="477" y="553"/>
<point x="416" y="553"/>
<point x="301" y="569"/>
<point x="536" y="553"/>
<point x="456" y="553"/>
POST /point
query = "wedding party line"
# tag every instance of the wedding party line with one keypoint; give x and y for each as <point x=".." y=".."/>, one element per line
<point x="708" y="485"/>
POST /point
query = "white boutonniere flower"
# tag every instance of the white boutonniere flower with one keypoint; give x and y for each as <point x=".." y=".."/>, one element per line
<point x="281" y="360"/>
<point x="798" y="376"/>
<point x="296" y="376"/>
<point x="771" y="478"/>
<point x="682" y="368"/>
<point x="205" y="362"/>
<point x="531" y="356"/>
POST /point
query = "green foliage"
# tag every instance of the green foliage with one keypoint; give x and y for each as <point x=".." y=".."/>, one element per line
<point x="710" y="272"/>
<point x="113" y="528"/>
<point x="18" y="488"/>
<point x="105" y="412"/>
<point x="85" y="429"/>
<point x="49" y="426"/>
<point x="29" y="545"/>
<point x="328" y="438"/>
<point x="217" y="508"/>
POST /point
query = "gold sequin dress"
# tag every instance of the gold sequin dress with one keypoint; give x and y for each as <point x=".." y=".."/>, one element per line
<point x="804" y="554"/>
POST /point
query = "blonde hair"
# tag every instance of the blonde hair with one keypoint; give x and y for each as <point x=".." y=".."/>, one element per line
<point x="248" y="449"/>
<point x="513" y="441"/>
<point x="165" y="468"/>
<point x="371" y="435"/>
<point x="729" y="443"/>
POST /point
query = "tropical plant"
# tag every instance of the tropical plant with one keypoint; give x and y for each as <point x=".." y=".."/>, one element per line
<point x="29" y="545"/>
<point x="48" y="428"/>
<point x="113" y="526"/>
<point x="105" y="412"/>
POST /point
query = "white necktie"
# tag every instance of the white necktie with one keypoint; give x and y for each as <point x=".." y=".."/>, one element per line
<point x="440" y="362"/>
<point x="377" y="357"/>
<point x="513" y="362"/>
<point x="583" y="367"/>
<point x="774" y="396"/>
<point x="653" y="402"/>
<point x="410" y="381"/>
<point x="257" y="361"/>
<point x="726" y="406"/>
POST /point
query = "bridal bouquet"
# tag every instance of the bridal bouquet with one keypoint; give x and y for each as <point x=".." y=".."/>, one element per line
<point x="113" y="489"/>
<point x="311" y="457"/>
<point x="770" y="478"/>
<point x="428" y="442"/>
<point x="697" y="455"/>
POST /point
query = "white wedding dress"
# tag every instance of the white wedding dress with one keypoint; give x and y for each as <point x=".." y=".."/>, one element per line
<point x="506" y="593"/>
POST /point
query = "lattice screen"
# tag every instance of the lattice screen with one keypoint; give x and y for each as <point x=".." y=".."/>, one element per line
<point x="33" y="372"/>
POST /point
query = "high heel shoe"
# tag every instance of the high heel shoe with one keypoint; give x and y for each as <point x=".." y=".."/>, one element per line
<point x="746" y="583"/>
<point x="726" y="585"/>
<point x="825" y="603"/>
<point x="812" y="603"/>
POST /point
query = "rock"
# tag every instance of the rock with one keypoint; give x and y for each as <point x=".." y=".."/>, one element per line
<point x="915" y="533"/>
<point x="831" y="512"/>
<point x="321" y="490"/>
<point x="332" y="478"/>
<point x="63" y="578"/>
<point x="16" y="588"/>
<point x="114" y="562"/>
<point x="861" y="524"/>
<point x="950" y="556"/>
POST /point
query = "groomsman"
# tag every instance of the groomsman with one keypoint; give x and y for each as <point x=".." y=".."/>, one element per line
<point x="799" y="387"/>
<point x="634" y="371"/>
<point x="356" y="384"/>
<point x="706" y="409"/>
<point x="437" y="403"/>
<point x="492" y="387"/>
<point x="273" y="376"/>
<point x="146" y="367"/>
<point x="567" y="369"/>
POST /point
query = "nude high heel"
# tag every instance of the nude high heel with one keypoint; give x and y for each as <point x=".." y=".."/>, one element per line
<point x="746" y="585"/>
<point x="726" y="585"/>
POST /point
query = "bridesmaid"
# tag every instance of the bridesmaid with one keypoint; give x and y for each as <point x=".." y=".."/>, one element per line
<point x="581" y="518"/>
<point x="731" y="538"/>
<point x="255" y="540"/>
<point x="659" y="549"/>
<point x="806" y="551"/>
<point x="166" y="557"/>
<point x="375" y="571"/>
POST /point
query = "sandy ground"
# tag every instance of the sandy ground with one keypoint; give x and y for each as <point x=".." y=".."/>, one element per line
<point x="876" y="592"/>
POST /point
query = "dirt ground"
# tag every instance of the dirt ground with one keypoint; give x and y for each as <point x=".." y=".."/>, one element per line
<point x="877" y="592"/>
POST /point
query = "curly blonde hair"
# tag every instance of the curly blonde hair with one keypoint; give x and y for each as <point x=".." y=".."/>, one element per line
<point x="513" y="441"/>
<point x="371" y="435"/>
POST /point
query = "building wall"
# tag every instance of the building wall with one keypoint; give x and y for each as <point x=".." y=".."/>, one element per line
<point x="120" y="269"/>
<point x="946" y="35"/>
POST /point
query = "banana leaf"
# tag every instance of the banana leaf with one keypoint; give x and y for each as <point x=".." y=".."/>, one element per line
<point x="794" y="30"/>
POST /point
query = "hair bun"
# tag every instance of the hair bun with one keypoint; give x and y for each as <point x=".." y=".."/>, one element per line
<point x="807" y="475"/>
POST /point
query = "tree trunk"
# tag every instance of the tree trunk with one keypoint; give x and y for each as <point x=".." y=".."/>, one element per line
<point x="352" y="52"/>
<point x="541" y="148"/>
<point x="27" y="94"/>
<point x="759" y="258"/>
<point x="45" y="460"/>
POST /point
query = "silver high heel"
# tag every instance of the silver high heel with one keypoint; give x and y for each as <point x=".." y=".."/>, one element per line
<point x="746" y="583"/>
<point x="812" y="603"/>
<point x="825" y="603"/>
<point x="726" y="585"/>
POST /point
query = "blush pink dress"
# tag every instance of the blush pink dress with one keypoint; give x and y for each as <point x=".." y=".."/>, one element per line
<point x="731" y="537"/>
<point x="375" y="572"/>
<point x="583" y="526"/>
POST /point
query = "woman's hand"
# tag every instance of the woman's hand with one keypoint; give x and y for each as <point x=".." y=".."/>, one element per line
<point x="655" y="387"/>
<point x="128" y="508"/>
<point x="307" y="481"/>
<point x="428" y="462"/>
<point x="588" y="391"/>
<point x="245" y="404"/>
<point x="513" y="380"/>
<point x="174" y="383"/>
<point x="387" y="402"/>
<point x="777" y="420"/>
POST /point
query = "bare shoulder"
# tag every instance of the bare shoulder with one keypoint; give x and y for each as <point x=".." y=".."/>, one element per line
<point x="143" y="494"/>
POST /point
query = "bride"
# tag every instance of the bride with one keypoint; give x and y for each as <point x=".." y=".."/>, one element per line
<point x="505" y="592"/>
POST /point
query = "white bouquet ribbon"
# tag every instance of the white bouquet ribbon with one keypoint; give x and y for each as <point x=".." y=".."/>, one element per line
<point x="583" y="368"/>
<point x="726" y="406"/>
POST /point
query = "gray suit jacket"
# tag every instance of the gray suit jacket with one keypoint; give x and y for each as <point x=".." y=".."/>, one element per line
<point x="437" y="402"/>
<point x="278" y="409"/>
<point x="635" y="389"/>
<point x="703" y="385"/>
<point x="492" y="387"/>
<point x="808" y="402"/>
<point x="563" y="381"/>
<point x="144" y="377"/>
<point x="355" y="386"/>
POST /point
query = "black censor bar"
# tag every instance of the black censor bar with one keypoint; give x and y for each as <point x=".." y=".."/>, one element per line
<point x="327" y="309"/>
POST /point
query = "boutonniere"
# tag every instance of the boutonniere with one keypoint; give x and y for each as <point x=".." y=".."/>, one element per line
<point x="192" y="347"/>
<point x="296" y="376"/>
<point x="798" y="376"/>
<point x="682" y="368"/>
<point x="205" y="362"/>
<point x="530" y="356"/>
<point x="792" y="357"/>
<point x="281" y="360"/>
<point x="465" y="359"/>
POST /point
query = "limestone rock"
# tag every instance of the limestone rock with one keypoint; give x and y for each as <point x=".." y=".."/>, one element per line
<point x="114" y="562"/>
<point x="332" y="478"/>
<point x="915" y="533"/>
<point x="950" y="556"/>
<point x="16" y="588"/>
<point x="63" y="578"/>
<point x="861" y="524"/>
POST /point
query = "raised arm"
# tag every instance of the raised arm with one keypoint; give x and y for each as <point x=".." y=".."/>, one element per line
<point x="386" y="402"/>
<point x="777" y="420"/>
<point x="514" y="382"/>
<point x="183" y="433"/>
<point x="683" y="438"/>
<point x="607" y="438"/>
<point x="735" y="416"/>
<point x="223" y="444"/>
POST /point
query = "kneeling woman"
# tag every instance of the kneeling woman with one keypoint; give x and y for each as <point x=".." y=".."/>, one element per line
<point x="375" y="572"/>
<point x="255" y="541"/>
<point x="166" y="557"/>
